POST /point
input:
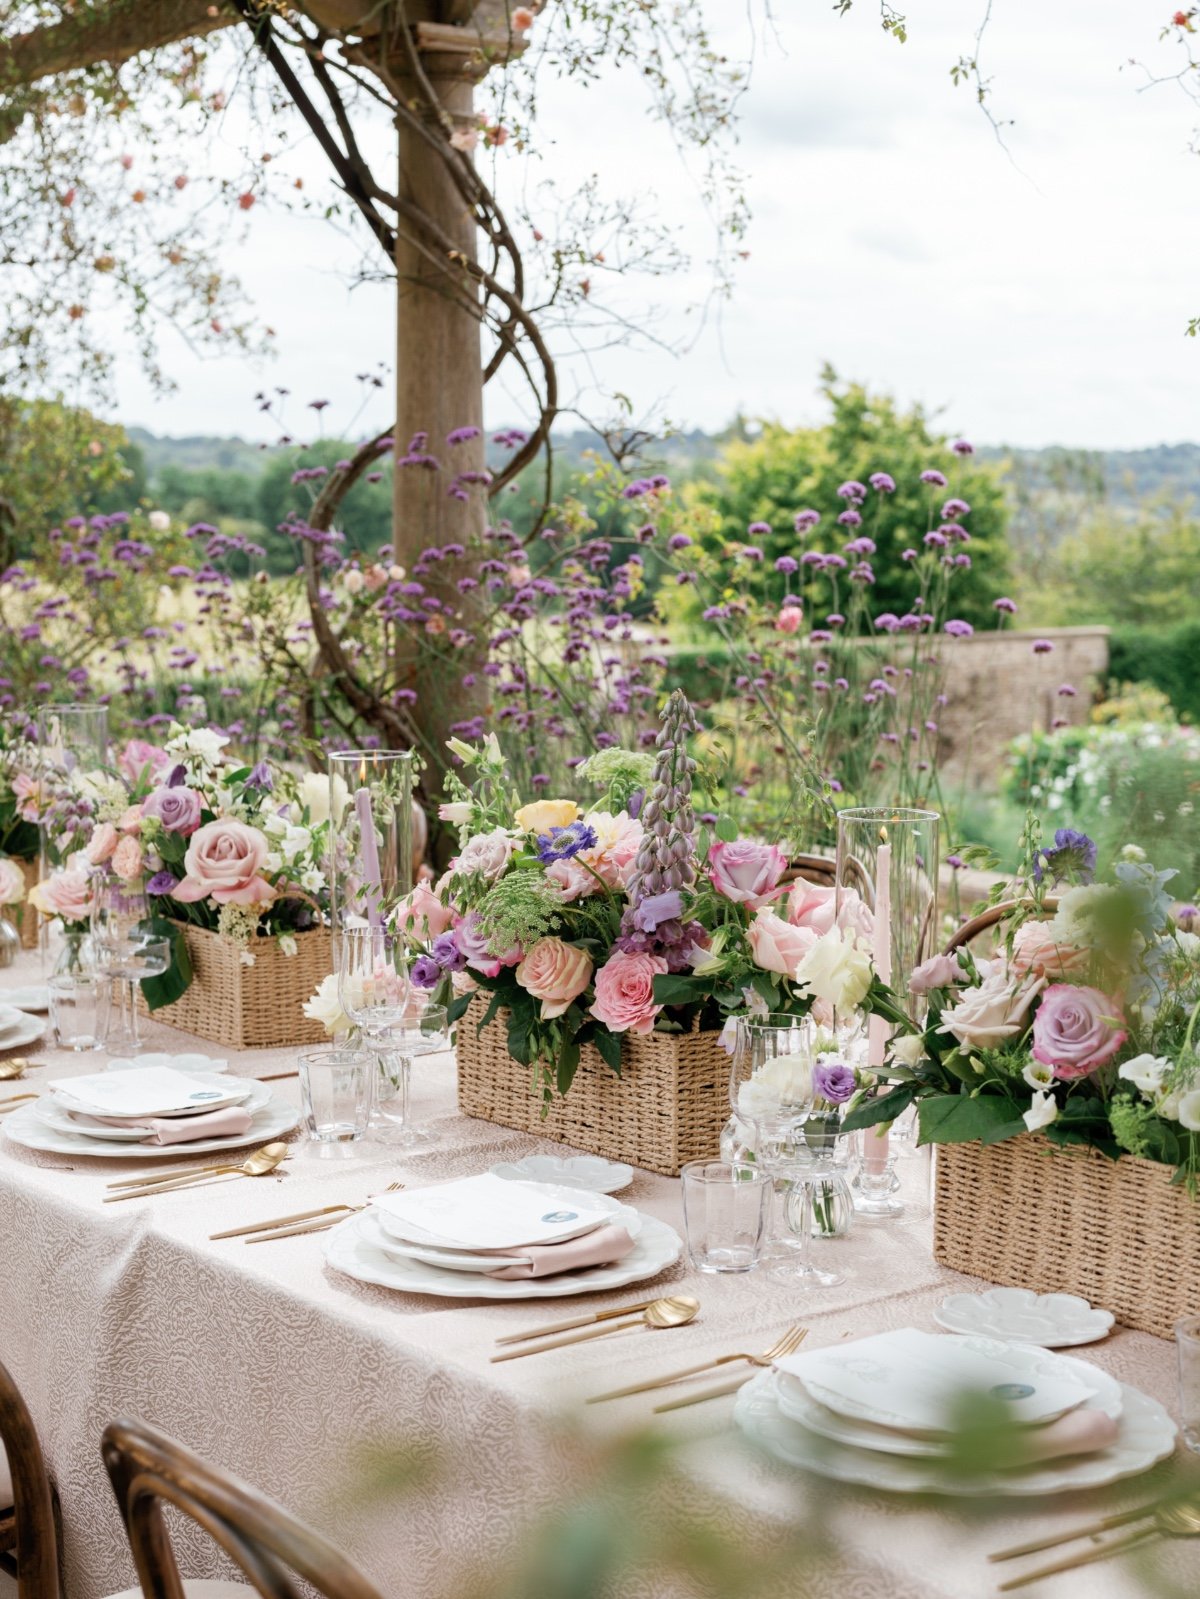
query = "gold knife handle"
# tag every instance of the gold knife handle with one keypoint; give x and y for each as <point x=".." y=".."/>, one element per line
<point x="576" y="1321"/>
<point x="1086" y="1557"/>
<point x="663" y="1381"/>
<point x="574" y="1338"/>
<point x="278" y="1221"/>
<point x="705" y="1393"/>
<point x="172" y="1174"/>
<point x="322" y="1225"/>
<point x="199" y="1181"/>
<point x="1091" y="1531"/>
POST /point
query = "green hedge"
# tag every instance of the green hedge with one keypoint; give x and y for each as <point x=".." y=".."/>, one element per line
<point x="1167" y="657"/>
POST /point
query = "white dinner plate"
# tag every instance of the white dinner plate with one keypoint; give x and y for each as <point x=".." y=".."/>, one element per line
<point x="22" y="1126"/>
<point x="347" y="1250"/>
<point x="797" y="1404"/>
<point x="406" y="1232"/>
<point x="179" y="1063"/>
<point x="588" y="1172"/>
<point x="1146" y="1435"/>
<point x="378" y="1236"/>
<point x="56" y="1115"/>
<point x="26" y="1031"/>
<point x="34" y="996"/>
<point x="1055" y="1321"/>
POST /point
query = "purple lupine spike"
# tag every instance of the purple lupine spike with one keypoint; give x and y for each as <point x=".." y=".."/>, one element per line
<point x="666" y="860"/>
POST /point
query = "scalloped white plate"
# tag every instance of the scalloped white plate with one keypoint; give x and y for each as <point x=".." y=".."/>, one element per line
<point x="180" y="1063"/>
<point x="25" y="1031"/>
<point x="1055" y="1321"/>
<point x="34" y="996"/>
<point x="376" y="1233"/>
<point x="23" y="1127"/>
<point x="1146" y="1436"/>
<point x="588" y="1172"/>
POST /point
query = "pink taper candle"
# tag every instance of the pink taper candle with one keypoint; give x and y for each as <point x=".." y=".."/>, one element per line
<point x="369" y="847"/>
<point x="875" y="1142"/>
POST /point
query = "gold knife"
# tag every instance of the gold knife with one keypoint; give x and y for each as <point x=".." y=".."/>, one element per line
<point x="280" y="1221"/>
<point x="324" y="1224"/>
<point x="576" y="1321"/>
<point x="706" y="1393"/>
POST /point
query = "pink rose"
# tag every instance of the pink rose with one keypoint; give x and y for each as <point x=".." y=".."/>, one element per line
<point x="223" y="862"/>
<point x="29" y="797"/>
<point x="625" y="992"/>
<point x="993" y="1011"/>
<point x="789" y="619"/>
<point x="812" y="906"/>
<point x="101" y="844"/>
<point x="130" y="819"/>
<point x="556" y="973"/>
<point x="138" y="755"/>
<point x="67" y="893"/>
<point x="1076" y="1030"/>
<point x="776" y="945"/>
<point x="1036" y="949"/>
<point x="745" y="873"/>
<point x="423" y="913"/>
<point x="939" y="971"/>
<point x="127" y="859"/>
<point x="178" y="809"/>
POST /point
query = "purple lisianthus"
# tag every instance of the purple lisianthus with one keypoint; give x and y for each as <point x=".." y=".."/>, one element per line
<point x="1073" y="857"/>
<point x="178" y="809"/>
<point x="564" y="843"/>
<point x="447" y="953"/>
<point x="425" y="972"/>
<point x="163" y="882"/>
<point x="834" y="1081"/>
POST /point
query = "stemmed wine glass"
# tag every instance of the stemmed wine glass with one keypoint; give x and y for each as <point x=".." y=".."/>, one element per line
<point x="771" y="1087"/>
<point x="396" y="1023"/>
<point x="128" y="953"/>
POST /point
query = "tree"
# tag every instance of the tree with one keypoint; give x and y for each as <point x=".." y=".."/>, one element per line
<point x="57" y="461"/>
<point x="765" y="482"/>
<point x="1137" y="569"/>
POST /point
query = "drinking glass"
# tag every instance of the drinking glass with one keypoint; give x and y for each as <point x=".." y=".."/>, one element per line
<point x="128" y="953"/>
<point x="771" y="1086"/>
<point x="335" y="1094"/>
<point x="371" y="832"/>
<point x="725" y="1211"/>
<point x="422" y="1031"/>
<point x="1187" y="1339"/>
<point x="377" y="996"/>
<point x="79" y="1009"/>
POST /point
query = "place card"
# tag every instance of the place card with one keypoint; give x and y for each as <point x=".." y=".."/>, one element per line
<point x="487" y="1212"/>
<point x="156" y="1091"/>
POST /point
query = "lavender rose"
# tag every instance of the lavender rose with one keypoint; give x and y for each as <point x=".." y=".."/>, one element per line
<point x="178" y="809"/>
<point x="746" y="873"/>
<point x="1076" y="1030"/>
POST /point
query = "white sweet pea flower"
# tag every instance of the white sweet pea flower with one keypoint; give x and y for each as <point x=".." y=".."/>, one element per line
<point x="456" y="812"/>
<point x="1146" y="1073"/>
<point x="1037" y="1075"/>
<point x="1041" y="1112"/>
<point x="465" y="752"/>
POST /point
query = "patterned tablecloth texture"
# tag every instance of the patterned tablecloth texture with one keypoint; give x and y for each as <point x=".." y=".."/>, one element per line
<point x="279" y="1370"/>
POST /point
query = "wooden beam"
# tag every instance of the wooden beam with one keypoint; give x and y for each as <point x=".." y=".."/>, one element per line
<point x="114" y="33"/>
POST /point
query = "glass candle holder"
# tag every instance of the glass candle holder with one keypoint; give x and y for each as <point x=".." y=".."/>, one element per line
<point x="371" y="833"/>
<point x="1187" y="1339"/>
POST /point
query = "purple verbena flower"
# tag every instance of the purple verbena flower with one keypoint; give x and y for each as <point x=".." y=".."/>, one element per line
<point x="1042" y="646"/>
<point x="933" y="477"/>
<point x="1004" y="604"/>
<point x="958" y="629"/>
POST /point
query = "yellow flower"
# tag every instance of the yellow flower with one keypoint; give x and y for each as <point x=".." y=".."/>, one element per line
<point x="542" y="815"/>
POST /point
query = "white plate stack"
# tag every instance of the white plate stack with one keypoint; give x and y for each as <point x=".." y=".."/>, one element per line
<point x="454" y="1239"/>
<point x="879" y="1412"/>
<point x="17" y="1029"/>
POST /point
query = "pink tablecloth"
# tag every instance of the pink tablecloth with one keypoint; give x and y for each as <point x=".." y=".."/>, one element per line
<point x="288" y="1374"/>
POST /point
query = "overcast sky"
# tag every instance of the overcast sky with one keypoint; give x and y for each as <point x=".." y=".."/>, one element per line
<point x="1033" y="300"/>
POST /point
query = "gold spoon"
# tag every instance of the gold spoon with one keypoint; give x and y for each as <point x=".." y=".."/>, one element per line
<point x="675" y="1311"/>
<point x="1170" y="1521"/>
<point x="14" y="1068"/>
<point x="260" y="1164"/>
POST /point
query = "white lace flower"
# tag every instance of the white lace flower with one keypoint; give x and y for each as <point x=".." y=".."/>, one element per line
<point x="1041" y="1112"/>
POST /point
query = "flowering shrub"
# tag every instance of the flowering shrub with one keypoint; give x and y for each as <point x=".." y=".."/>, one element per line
<point x="1081" y="1027"/>
<point x="628" y="917"/>
<point x="19" y="765"/>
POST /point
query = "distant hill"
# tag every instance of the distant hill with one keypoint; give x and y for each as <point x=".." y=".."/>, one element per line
<point x="197" y="452"/>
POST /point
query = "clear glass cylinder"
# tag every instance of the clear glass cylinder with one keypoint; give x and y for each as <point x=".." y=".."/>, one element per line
<point x="72" y="741"/>
<point x="371" y="835"/>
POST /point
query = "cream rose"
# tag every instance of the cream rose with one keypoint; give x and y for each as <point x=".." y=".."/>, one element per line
<point x="487" y="853"/>
<point x="837" y="970"/>
<point x="12" y="882"/>
<point x="325" y="1006"/>
<point x="542" y="815"/>
<point x="67" y="893"/>
<point x="315" y="791"/>
<point x="556" y="973"/>
<point x="224" y="862"/>
<point x="1039" y="947"/>
<point x="776" y="945"/>
<point x="995" y="1010"/>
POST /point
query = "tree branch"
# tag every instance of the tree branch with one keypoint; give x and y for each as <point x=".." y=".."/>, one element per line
<point x="113" y="33"/>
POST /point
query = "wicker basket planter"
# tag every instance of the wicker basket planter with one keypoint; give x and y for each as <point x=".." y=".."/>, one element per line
<point x="667" y="1107"/>
<point x="250" y="1007"/>
<point x="1028" y="1214"/>
<point x="28" y="919"/>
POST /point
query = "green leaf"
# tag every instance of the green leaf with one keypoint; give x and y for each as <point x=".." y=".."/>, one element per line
<point x="670" y="989"/>
<point x="458" y="1007"/>
<point x="961" y="1119"/>
<point x="568" y="1064"/>
<point x="489" y="1014"/>
<point x="174" y="982"/>
<point x="609" y="1047"/>
<point x="884" y="1108"/>
<point x="726" y="829"/>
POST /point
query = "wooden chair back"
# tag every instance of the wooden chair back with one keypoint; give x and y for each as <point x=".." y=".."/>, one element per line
<point x="994" y="914"/>
<point x="33" y="1536"/>
<point x="149" y="1470"/>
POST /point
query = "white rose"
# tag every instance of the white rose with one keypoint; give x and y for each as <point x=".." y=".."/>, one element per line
<point x="314" y="791"/>
<point x="159" y="521"/>
<point x="12" y="882"/>
<point x="1037" y="1075"/>
<point x="1189" y="1110"/>
<point x="353" y="580"/>
<point x="325" y="1006"/>
<point x="198" y="746"/>
<point x="837" y="969"/>
<point x="487" y="853"/>
<point x="781" y="1083"/>
<point x="1041" y="1112"/>
<point x="994" y="1011"/>
<point x="1145" y="1072"/>
<point x="908" y="1049"/>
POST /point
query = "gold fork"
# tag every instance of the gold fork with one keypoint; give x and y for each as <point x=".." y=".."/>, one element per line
<point x="286" y="1226"/>
<point x="790" y="1341"/>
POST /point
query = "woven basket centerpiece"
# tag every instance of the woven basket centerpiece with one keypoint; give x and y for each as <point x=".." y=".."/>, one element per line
<point x="1030" y="1214"/>
<point x="667" y="1107"/>
<point x="257" y="1006"/>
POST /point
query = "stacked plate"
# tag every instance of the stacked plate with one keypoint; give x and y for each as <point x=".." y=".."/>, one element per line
<point x="488" y="1238"/>
<point x="17" y="1029"/>
<point x="877" y="1412"/>
<point x="136" y="1113"/>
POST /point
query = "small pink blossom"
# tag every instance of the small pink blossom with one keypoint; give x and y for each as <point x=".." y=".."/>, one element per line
<point x="101" y="844"/>
<point x="789" y="619"/>
<point x="127" y="860"/>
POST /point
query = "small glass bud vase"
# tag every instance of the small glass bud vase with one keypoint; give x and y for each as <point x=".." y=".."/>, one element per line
<point x="10" y="941"/>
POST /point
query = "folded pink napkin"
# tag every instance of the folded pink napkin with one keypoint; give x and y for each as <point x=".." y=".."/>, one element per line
<point x="231" y="1122"/>
<point x="600" y="1248"/>
<point x="1079" y="1432"/>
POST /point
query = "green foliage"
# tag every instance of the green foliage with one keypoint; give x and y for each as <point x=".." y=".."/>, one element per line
<point x="58" y="461"/>
<point x="1164" y="657"/>
<point x="1134" y="569"/>
<point x="782" y="472"/>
